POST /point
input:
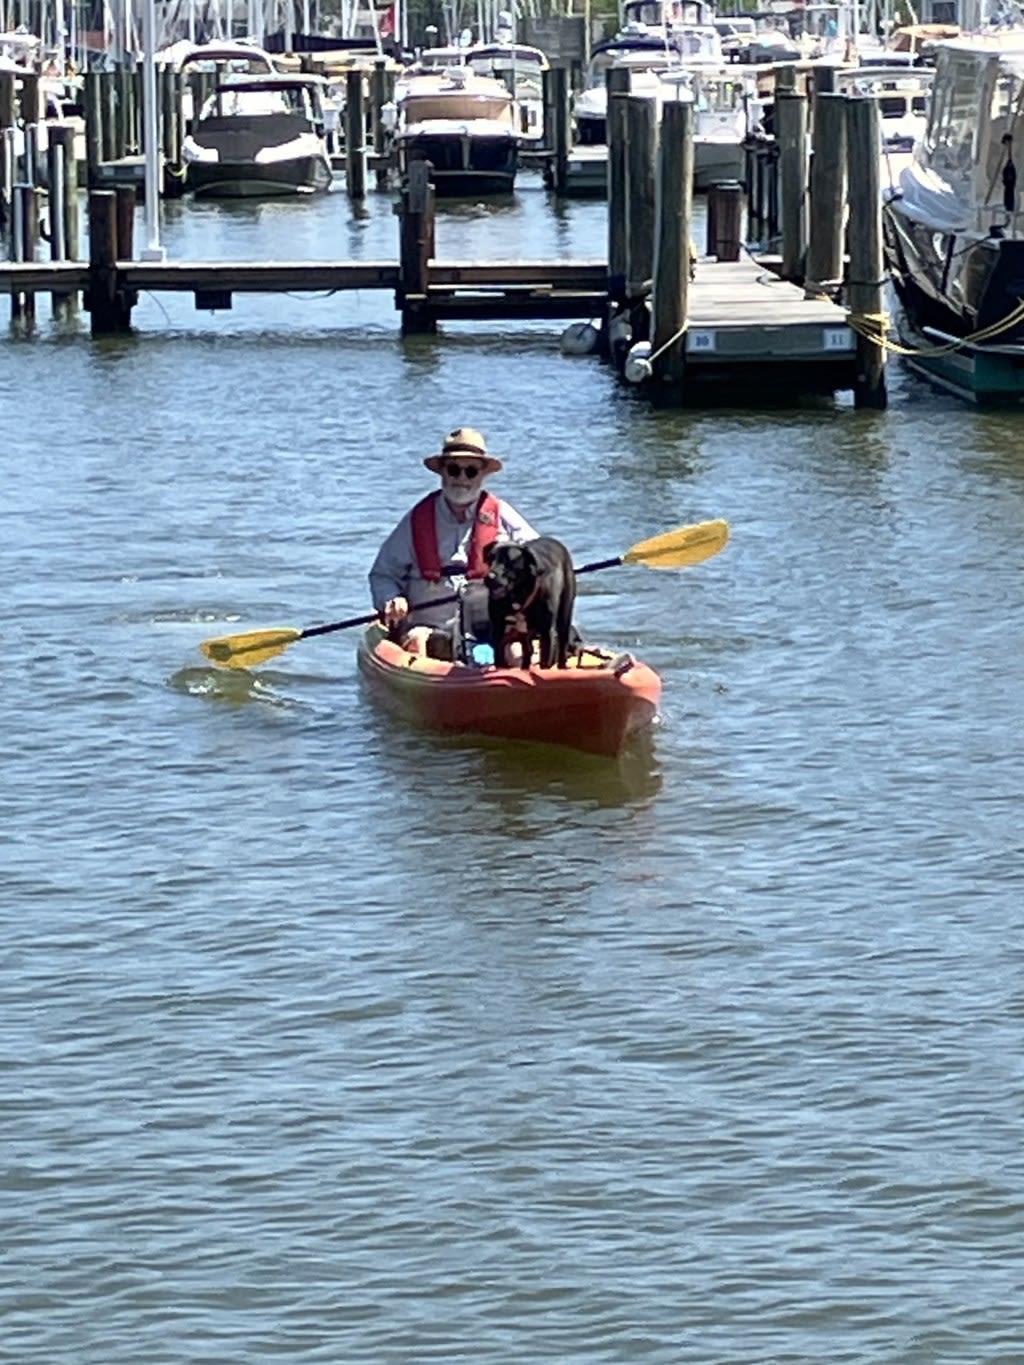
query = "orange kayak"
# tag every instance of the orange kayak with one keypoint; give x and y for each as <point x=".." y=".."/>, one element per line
<point x="595" y="704"/>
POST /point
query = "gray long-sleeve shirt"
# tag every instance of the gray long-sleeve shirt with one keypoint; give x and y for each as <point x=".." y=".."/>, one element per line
<point x="395" y="572"/>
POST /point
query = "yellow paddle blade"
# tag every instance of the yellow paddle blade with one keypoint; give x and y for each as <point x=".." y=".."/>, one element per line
<point x="687" y="545"/>
<point x="242" y="651"/>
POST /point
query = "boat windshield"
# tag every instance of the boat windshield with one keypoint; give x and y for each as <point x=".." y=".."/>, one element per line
<point x="953" y="122"/>
<point x="663" y="13"/>
<point x="257" y="103"/>
<point x="709" y="94"/>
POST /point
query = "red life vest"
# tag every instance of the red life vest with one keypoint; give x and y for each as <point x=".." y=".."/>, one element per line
<point x="486" y="525"/>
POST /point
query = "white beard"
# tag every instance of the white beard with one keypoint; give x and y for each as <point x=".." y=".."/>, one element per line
<point x="460" y="493"/>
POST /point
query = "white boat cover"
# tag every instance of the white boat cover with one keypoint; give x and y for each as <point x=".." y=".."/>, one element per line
<point x="931" y="198"/>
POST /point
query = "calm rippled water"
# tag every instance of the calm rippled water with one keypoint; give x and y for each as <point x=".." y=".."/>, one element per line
<point x="323" y="1041"/>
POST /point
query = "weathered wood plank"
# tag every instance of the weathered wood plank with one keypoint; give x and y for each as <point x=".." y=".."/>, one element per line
<point x="274" y="276"/>
<point x="41" y="276"/>
<point x="258" y="277"/>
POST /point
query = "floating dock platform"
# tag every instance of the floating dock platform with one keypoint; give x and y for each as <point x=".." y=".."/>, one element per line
<point x="746" y="324"/>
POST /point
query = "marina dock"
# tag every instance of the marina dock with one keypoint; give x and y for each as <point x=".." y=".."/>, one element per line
<point x="681" y="323"/>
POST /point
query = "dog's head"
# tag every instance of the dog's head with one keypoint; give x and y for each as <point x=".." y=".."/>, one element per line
<point x="511" y="571"/>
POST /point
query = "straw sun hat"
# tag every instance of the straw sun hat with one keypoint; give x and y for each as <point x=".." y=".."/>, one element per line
<point x="464" y="443"/>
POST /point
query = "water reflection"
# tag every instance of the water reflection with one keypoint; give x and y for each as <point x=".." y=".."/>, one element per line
<point x="470" y="208"/>
<point x="506" y="777"/>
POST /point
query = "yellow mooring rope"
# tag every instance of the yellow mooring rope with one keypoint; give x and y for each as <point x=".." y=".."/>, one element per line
<point x="876" y="327"/>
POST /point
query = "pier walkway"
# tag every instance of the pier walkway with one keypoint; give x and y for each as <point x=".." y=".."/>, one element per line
<point x="743" y="319"/>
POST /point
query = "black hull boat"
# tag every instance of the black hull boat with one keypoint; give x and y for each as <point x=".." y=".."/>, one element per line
<point x="954" y="236"/>
<point x="462" y="165"/>
<point x="244" y="180"/>
<point x="982" y="293"/>
<point x="259" y="136"/>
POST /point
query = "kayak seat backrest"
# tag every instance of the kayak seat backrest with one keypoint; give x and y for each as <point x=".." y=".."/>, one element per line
<point x="474" y="623"/>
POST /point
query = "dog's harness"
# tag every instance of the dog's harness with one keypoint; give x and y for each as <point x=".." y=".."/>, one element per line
<point x="516" y="618"/>
<point x="486" y="526"/>
<point x="516" y="625"/>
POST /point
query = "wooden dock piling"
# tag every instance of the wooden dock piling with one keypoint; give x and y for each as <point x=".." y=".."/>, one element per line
<point x="674" y="212"/>
<point x="617" y="80"/>
<point x="724" y="220"/>
<point x="827" y="200"/>
<point x="28" y="99"/>
<point x="415" y="249"/>
<point x="124" y="135"/>
<point x="28" y="116"/>
<point x="62" y="171"/>
<point x="112" y="147"/>
<point x="382" y="89"/>
<point x="865" y="283"/>
<point x="8" y="119"/>
<point x="169" y="88"/>
<point x="92" y="100"/>
<point x="109" y="306"/>
<point x="26" y="243"/>
<point x="557" y="125"/>
<point x="8" y="100"/>
<point x="791" y="134"/>
<point x="355" y="135"/>
<point x="641" y="173"/>
<point x="126" y="198"/>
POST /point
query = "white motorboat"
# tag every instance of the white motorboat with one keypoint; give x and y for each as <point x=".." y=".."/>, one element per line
<point x="727" y="110"/>
<point x="647" y="58"/>
<point x="259" y="135"/>
<point x="466" y="126"/>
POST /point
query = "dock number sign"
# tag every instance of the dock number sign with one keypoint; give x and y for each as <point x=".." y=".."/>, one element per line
<point x="701" y="340"/>
<point x="838" y="339"/>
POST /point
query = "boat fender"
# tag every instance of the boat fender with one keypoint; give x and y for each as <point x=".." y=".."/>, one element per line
<point x="619" y="330"/>
<point x="638" y="363"/>
<point x="579" y="338"/>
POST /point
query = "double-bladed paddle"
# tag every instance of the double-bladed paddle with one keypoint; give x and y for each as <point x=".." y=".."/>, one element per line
<point x="670" y="550"/>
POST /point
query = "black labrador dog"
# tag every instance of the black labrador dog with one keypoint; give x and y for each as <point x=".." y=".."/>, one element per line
<point x="531" y="590"/>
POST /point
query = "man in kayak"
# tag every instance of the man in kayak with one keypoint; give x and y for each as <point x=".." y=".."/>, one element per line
<point x="439" y="545"/>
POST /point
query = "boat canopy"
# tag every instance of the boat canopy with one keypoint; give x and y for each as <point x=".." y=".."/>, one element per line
<point x="976" y="114"/>
<point x="242" y="57"/>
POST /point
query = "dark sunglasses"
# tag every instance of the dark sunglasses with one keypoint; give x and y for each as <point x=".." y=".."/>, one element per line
<point x="469" y="470"/>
